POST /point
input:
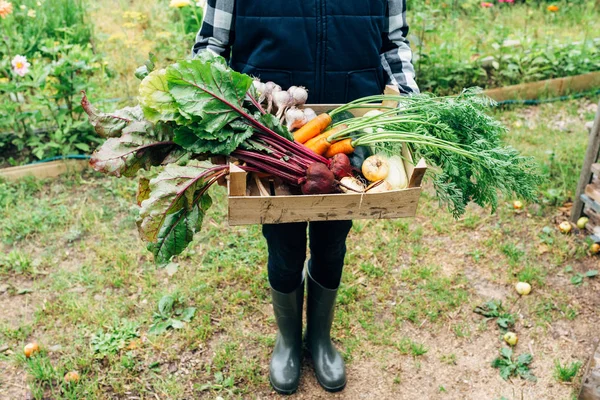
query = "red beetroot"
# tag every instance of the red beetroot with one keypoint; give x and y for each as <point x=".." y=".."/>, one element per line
<point x="340" y="166"/>
<point x="319" y="180"/>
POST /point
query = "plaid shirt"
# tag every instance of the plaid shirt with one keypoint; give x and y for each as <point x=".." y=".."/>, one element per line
<point x="396" y="56"/>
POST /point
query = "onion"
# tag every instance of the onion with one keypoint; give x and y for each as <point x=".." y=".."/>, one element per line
<point x="350" y="184"/>
<point x="375" y="168"/>
<point x="260" y="89"/>
<point x="299" y="95"/>
<point x="377" y="187"/>
<point x="309" y="114"/>
<point x="282" y="101"/>
<point x="295" y="118"/>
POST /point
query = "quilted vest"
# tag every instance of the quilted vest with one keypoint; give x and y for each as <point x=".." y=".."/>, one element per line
<point x="332" y="47"/>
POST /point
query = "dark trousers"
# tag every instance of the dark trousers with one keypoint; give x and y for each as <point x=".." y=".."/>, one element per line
<point x="287" y="253"/>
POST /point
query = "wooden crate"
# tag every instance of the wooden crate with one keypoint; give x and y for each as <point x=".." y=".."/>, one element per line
<point x="257" y="206"/>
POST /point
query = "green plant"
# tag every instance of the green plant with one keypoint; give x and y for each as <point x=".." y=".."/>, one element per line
<point x="16" y="262"/>
<point x="509" y="367"/>
<point x="494" y="309"/>
<point x="171" y="314"/>
<point x="578" y="278"/>
<point x="114" y="338"/>
<point x="220" y="384"/>
<point x="566" y="373"/>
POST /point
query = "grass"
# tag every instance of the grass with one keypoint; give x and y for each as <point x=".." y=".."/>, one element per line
<point x="566" y="372"/>
<point x="74" y="243"/>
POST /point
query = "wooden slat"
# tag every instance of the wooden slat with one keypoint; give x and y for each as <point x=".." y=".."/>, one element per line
<point x="44" y="170"/>
<point x="590" y="203"/>
<point x="547" y="88"/>
<point x="595" y="169"/>
<point x="247" y="210"/>
<point x="418" y="173"/>
<point x="393" y="90"/>
<point x="591" y="156"/>
<point x="593" y="192"/>
<point x="237" y="181"/>
<point x="590" y="383"/>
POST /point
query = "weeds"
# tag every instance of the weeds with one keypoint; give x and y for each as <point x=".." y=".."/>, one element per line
<point x="566" y="373"/>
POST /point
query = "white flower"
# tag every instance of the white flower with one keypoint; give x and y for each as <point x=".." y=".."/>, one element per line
<point x="31" y="13"/>
<point x="23" y="7"/>
<point x="20" y="65"/>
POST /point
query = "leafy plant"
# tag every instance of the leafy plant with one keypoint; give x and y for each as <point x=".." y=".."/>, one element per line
<point x="171" y="314"/>
<point x="494" y="309"/>
<point x="221" y="384"/>
<point x="514" y="367"/>
<point x="566" y="373"/>
<point x="115" y="338"/>
<point x="578" y="278"/>
<point x="43" y="114"/>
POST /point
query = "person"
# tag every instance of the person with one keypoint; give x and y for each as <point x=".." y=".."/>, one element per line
<point x="340" y="51"/>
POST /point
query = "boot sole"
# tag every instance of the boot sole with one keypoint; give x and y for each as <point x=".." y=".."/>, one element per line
<point x="327" y="388"/>
<point x="281" y="391"/>
<point x="332" y="390"/>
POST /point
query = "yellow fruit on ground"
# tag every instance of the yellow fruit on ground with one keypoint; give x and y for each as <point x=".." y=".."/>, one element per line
<point x="511" y="338"/>
<point x="517" y="205"/>
<point x="523" y="288"/>
<point x="595" y="248"/>
<point x="565" y="227"/>
<point x="582" y="222"/>
<point x="72" y="377"/>
<point x="30" y="349"/>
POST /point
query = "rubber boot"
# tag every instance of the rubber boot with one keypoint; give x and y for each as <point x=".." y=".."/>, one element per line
<point x="328" y="363"/>
<point x="284" y="370"/>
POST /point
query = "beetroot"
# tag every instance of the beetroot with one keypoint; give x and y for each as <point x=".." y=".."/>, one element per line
<point x="340" y="166"/>
<point x="319" y="180"/>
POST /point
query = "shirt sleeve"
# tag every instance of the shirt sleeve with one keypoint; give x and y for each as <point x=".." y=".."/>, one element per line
<point x="216" y="32"/>
<point x="396" y="55"/>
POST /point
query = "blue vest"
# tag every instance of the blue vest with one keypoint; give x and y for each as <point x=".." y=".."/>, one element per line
<point x="332" y="47"/>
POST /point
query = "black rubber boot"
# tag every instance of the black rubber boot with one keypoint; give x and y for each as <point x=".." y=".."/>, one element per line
<point x="328" y="363"/>
<point x="284" y="371"/>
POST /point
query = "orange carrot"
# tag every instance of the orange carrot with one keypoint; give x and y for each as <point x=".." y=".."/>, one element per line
<point x="343" y="146"/>
<point x="325" y="134"/>
<point x="319" y="146"/>
<point x="312" y="128"/>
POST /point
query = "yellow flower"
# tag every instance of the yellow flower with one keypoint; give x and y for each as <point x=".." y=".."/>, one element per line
<point x="134" y="15"/>
<point x="553" y="8"/>
<point x="31" y="13"/>
<point x="179" y="3"/>
<point x="3" y="80"/>
<point x="6" y="8"/>
<point x="127" y="25"/>
<point x="116" y="37"/>
<point x="163" y="35"/>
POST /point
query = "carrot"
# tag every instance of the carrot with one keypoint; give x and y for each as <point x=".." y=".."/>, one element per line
<point x="343" y="146"/>
<point x="312" y="128"/>
<point x="325" y="134"/>
<point x="319" y="146"/>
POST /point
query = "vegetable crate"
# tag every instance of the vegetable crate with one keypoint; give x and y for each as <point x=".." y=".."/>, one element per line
<point x="250" y="202"/>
